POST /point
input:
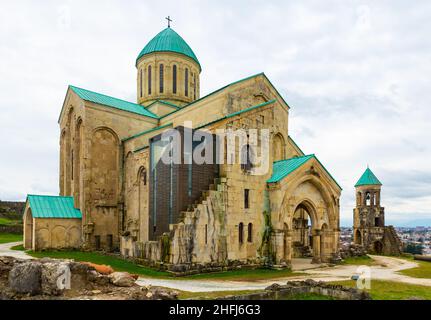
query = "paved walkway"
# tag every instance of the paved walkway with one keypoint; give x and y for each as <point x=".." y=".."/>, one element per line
<point x="6" y="251"/>
<point x="386" y="268"/>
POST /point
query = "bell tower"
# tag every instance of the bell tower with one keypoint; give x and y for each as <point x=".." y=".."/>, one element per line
<point x="369" y="215"/>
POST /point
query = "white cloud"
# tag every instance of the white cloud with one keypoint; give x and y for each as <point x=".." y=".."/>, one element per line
<point x="356" y="75"/>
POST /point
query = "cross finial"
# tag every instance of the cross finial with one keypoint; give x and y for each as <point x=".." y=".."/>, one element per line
<point x="169" y="21"/>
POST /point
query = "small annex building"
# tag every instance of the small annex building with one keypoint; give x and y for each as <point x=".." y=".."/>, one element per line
<point x="51" y="222"/>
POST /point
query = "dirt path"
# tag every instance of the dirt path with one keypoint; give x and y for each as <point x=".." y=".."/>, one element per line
<point x="6" y="251"/>
<point x="386" y="268"/>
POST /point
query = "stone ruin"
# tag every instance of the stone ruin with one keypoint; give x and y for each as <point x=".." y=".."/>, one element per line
<point x="52" y="279"/>
<point x="293" y="288"/>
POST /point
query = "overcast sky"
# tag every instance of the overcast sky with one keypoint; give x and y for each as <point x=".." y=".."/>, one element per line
<point x="357" y="75"/>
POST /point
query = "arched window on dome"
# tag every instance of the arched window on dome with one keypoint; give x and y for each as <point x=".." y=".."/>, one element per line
<point x="186" y="83"/>
<point x="194" y="87"/>
<point x="149" y="79"/>
<point x="174" y="79"/>
<point x="161" y="78"/>
<point x="140" y="82"/>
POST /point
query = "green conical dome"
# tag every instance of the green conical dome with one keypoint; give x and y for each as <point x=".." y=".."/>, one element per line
<point x="368" y="179"/>
<point x="168" y="41"/>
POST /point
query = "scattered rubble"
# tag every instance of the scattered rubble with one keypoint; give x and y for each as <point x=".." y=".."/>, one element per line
<point x="52" y="279"/>
<point x="352" y="250"/>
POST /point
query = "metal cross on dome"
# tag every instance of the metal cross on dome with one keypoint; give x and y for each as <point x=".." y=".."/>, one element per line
<point x="169" y="21"/>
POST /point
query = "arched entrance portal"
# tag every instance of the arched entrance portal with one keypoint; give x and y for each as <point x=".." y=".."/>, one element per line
<point x="302" y="239"/>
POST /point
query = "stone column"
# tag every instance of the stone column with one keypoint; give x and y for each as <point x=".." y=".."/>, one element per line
<point x="278" y="245"/>
<point x="288" y="246"/>
<point x="316" y="246"/>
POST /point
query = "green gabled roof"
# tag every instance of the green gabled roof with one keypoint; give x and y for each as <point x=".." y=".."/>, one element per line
<point x="168" y="41"/>
<point x="282" y="168"/>
<point x="368" y="179"/>
<point x="54" y="207"/>
<point x="112" y="102"/>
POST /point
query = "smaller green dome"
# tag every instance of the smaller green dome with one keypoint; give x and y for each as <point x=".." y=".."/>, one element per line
<point x="168" y="41"/>
<point x="368" y="179"/>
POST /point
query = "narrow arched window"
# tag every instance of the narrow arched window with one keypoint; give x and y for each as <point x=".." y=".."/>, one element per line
<point x="186" y="83"/>
<point x="194" y="87"/>
<point x="140" y="81"/>
<point x="368" y="199"/>
<point x="206" y="234"/>
<point x="250" y="233"/>
<point x="174" y="79"/>
<point x="241" y="233"/>
<point x="161" y="78"/>
<point x="149" y="79"/>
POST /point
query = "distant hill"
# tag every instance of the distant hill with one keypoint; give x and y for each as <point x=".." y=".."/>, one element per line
<point x="11" y="210"/>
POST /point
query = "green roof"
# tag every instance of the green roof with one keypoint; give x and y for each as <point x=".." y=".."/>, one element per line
<point x="168" y="41"/>
<point x="282" y="168"/>
<point x="112" y="102"/>
<point x="368" y="179"/>
<point x="53" y="207"/>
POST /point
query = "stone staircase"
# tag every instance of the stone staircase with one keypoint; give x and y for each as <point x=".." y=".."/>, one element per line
<point x="214" y="187"/>
<point x="391" y="239"/>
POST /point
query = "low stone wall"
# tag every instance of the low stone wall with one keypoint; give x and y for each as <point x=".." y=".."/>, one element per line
<point x="422" y="258"/>
<point x="291" y="289"/>
<point x="14" y="229"/>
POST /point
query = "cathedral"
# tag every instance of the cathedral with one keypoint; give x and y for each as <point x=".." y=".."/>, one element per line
<point x="117" y="195"/>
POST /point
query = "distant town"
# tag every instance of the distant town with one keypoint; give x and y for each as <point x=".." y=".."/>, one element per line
<point x="415" y="239"/>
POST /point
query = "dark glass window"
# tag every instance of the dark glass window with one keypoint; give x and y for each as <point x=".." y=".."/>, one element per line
<point x="246" y="198"/>
<point x="241" y="233"/>
<point x="149" y="79"/>
<point x="174" y="79"/>
<point x="250" y="233"/>
<point x="186" y="83"/>
<point x="161" y="78"/>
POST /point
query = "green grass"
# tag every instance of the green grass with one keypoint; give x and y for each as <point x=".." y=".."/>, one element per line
<point x="245" y="275"/>
<point x="360" y="261"/>
<point x="19" y="247"/>
<point x="422" y="271"/>
<point x="390" y="290"/>
<point x="9" y="222"/>
<point x="9" y="237"/>
<point x="116" y="263"/>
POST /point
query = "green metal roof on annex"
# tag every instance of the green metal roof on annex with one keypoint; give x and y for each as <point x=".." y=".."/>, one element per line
<point x="53" y="207"/>
<point x="168" y="41"/>
<point x="112" y="102"/>
<point x="282" y="168"/>
<point x="368" y="178"/>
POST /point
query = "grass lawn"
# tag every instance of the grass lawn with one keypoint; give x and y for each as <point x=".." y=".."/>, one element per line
<point x="8" y="237"/>
<point x="360" y="261"/>
<point x="119" y="264"/>
<point x="423" y="271"/>
<point x="8" y="222"/>
<point x="19" y="247"/>
<point x="389" y="290"/>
